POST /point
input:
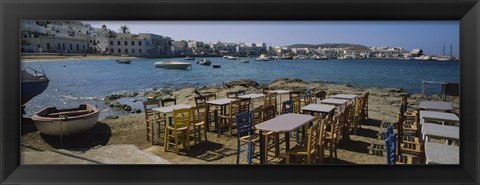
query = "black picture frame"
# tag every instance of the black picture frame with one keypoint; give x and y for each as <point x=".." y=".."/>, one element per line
<point x="466" y="11"/>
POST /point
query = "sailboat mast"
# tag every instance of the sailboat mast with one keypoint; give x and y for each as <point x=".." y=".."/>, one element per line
<point x="443" y="51"/>
<point x="451" y="50"/>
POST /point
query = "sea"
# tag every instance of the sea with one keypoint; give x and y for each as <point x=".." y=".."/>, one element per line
<point x="88" y="81"/>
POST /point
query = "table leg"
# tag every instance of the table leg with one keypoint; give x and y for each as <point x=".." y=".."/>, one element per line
<point x="262" y="148"/>
<point x="287" y="141"/>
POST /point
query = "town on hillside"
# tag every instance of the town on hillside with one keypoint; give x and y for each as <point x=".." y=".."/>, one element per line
<point x="77" y="38"/>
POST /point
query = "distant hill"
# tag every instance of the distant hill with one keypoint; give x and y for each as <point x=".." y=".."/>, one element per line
<point x="327" y="45"/>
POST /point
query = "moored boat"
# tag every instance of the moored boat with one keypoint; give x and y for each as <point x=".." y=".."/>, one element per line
<point x="123" y="61"/>
<point x="205" y="62"/>
<point x="189" y="58"/>
<point x="172" y="65"/>
<point x="244" y="61"/>
<point x="231" y="58"/>
<point x="263" y="57"/>
<point x="64" y="122"/>
<point x="32" y="84"/>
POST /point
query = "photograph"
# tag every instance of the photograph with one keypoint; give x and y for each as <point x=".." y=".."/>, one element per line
<point x="240" y="92"/>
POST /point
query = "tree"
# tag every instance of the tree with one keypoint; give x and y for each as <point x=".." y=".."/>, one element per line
<point x="124" y="29"/>
<point x="111" y="34"/>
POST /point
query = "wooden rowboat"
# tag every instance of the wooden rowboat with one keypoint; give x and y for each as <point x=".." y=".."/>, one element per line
<point x="64" y="122"/>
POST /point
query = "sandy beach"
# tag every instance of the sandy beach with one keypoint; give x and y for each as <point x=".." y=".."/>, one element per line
<point x="384" y="104"/>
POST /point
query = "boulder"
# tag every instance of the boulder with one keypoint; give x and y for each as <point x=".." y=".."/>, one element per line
<point x="243" y="83"/>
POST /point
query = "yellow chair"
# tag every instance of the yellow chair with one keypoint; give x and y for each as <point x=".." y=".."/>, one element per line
<point x="234" y="108"/>
<point x="358" y="114"/>
<point x="270" y="99"/>
<point x="199" y="121"/>
<point x="179" y="131"/>
<point x="308" y="150"/>
<point x="269" y="113"/>
<point x="296" y="105"/>
<point x="332" y="136"/>
<point x="152" y="119"/>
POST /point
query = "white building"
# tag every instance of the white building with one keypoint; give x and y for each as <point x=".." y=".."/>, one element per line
<point x="180" y="47"/>
<point x="47" y="44"/>
<point x="357" y="52"/>
<point x="224" y="48"/>
<point x="143" y="44"/>
<point x="329" y="52"/>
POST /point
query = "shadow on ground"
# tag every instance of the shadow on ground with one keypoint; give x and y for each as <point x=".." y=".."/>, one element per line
<point x="99" y="135"/>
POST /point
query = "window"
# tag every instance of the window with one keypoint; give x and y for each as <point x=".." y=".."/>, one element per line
<point x="78" y="47"/>
<point x="90" y="41"/>
<point x="111" y="43"/>
<point x="118" y="43"/>
<point x="71" y="47"/>
<point x="119" y="51"/>
<point x="83" y="46"/>
<point x="139" y="43"/>
<point x="63" y="46"/>
<point x="111" y="50"/>
<point x="48" y="46"/>
<point x="126" y="50"/>
<point x="133" y="50"/>
<point x="58" y="45"/>
<point x="140" y="50"/>
<point x="133" y="43"/>
<point x="126" y="43"/>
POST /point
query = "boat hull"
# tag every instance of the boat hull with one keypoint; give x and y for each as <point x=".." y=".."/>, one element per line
<point x="69" y="125"/>
<point x="32" y="86"/>
<point x="123" y="61"/>
<point x="172" y="66"/>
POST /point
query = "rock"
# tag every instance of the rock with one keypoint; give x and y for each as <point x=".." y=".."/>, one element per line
<point x="127" y="108"/>
<point x="243" y="83"/>
<point x="287" y="80"/>
<point x="112" y="117"/>
<point x="113" y="97"/>
<point x="136" y="111"/>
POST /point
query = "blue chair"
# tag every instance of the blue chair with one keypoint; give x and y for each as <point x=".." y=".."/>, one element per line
<point x="390" y="144"/>
<point x="307" y="91"/>
<point x="245" y="134"/>
<point x="240" y="92"/>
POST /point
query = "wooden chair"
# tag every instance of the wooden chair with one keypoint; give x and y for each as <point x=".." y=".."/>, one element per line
<point x="212" y="116"/>
<point x="270" y="113"/>
<point x="308" y="99"/>
<point x="152" y="119"/>
<point x="265" y="90"/>
<point x="392" y="149"/>
<point x="270" y="99"/>
<point x="240" y="92"/>
<point x="358" y="114"/>
<point x="234" y="108"/>
<point x="232" y="95"/>
<point x="296" y="105"/>
<point x="321" y="95"/>
<point x="245" y="135"/>
<point x="200" y="100"/>
<point x="179" y="131"/>
<point x="406" y="143"/>
<point x="322" y="139"/>
<point x="199" y="120"/>
<point x="245" y="104"/>
<point x="167" y="101"/>
<point x="332" y="136"/>
<point x="287" y="107"/>
<point x="295" y="94"/>
<point x="346" y="125"/>
<point x="308" y="150"/>
<point x="365" y="107"/>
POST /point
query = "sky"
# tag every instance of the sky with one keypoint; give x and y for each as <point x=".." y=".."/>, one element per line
<point x="430" y="36"/>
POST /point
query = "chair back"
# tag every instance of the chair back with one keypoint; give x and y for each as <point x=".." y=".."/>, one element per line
<point x="336" y="124"/>
<point x="182" y="117"/>
<point x="295" y="94"/>
<point x="321" y="95"/>
<point x="257" y="115"/>
<point x="147" y="108"/>
<point x="365" y="106"/>
<point x="346" y="119"/>
<point x="234" y="107"/>
<point x="265" y="90"/>
<point x="166" y="101"/>
<point x="296" y="105"/>
<point x="269" y="112"/>
<point x="211" y="96"/>
<point x="200" y="100"/>
<point x="307" y="91"/>
<point x="308" y="100"/>
<point x="270" y="99"/>
<point x="245" y="104"/>
<point x="232" y="95"/>
<point x="312" y="140"/>
<point x="358" y="106"/>
<point x="199" y="113"/>
<point x="244" y="124"/>
<point x="287" y="107"/>
<point x="390" y="144"/>
<point x="240" y="92"/>
<point x="324" y="127"/>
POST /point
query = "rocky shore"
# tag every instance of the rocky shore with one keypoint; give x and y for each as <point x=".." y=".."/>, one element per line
<point x="384" y="104"/>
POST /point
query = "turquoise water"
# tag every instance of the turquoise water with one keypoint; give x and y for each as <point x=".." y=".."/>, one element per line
<point x="80" y="81"/>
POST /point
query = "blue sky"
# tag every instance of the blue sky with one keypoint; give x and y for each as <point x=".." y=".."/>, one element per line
<point x="430" y="36"/>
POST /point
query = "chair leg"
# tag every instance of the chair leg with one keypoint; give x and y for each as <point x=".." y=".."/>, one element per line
<point x="277" y="144"/>
<point x="205" y="132"/>
<point x="175" y="134"/>
<point x="194" y="134"/>
<point x="288" y="158"/>
<point x="165" y="144"/>
<point x="238" y="151"/>
<point x="249" y="153"/>
<point x="188" y="140"/>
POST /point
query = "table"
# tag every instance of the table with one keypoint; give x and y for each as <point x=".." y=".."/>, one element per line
<point x="440" y="131"/>
<point x="441" y="154"/>
<point x="336" y="102"/>
<point x="345" y="96"/>
<point x="252" y="96"/>
<point x="279" y="93"/>
<point x="167" y="110"/>
<point x="324" y="109"/>
<point x="222" y="103"/>
<point x="440" y="116"/>
<point x="436" y="105"/>
<point x="283" y="123"/>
